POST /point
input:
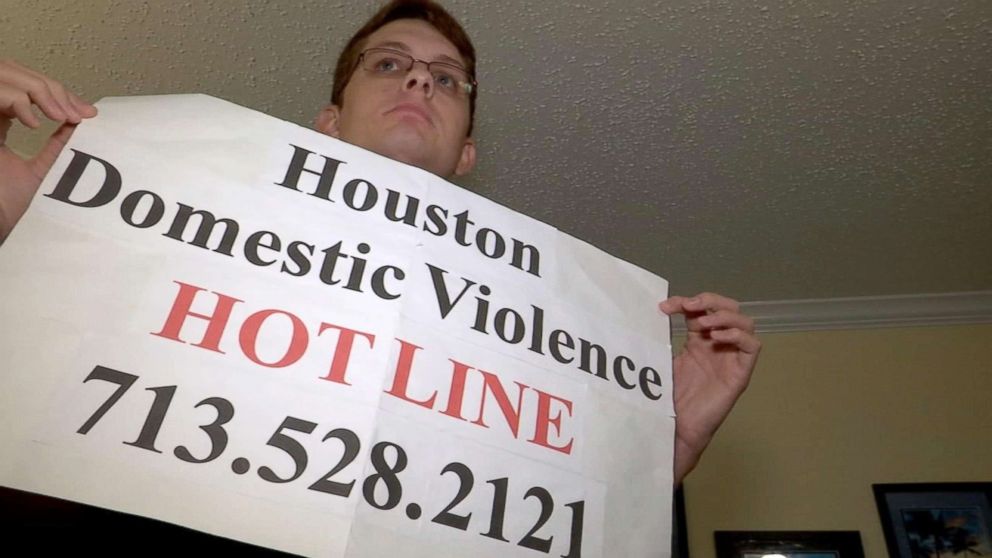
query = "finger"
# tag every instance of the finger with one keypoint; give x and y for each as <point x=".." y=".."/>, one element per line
<point x="743" y="340"/>
<point x="71" y="102"/>
<point x="37" y="89"/>
<point x="711" y="302"/>
<point x="725" y="319"/>
<point x="15" y="103"/>
<point x="48" y="91"/>
<point x="673" y="305"/>
<point x="46" y="157"/>
<point x="60" y="94"/>
<point x="85" y="109"/>
<point x="54" y="89"/>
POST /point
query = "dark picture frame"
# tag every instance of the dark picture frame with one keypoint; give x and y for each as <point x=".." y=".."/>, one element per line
<point x="931" y="520"/>
<point x="791" y="544"/>
<point x="680" y="536"/>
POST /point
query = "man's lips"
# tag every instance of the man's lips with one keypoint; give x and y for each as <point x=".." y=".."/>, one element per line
<point x="410" y="108"/>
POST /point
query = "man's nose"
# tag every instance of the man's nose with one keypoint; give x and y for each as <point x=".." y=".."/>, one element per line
<point x="419" y="77"/>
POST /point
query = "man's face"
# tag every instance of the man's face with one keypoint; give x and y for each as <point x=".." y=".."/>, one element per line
<point x="405" y="116"/>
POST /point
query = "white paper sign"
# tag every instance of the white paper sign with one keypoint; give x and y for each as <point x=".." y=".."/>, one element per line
<point x="225" y="321"/>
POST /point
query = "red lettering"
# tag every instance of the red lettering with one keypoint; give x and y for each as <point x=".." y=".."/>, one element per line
<point x="249" y="339"/>
<point x="544" y="419"/>
<point x="457" y="393"/>
<point x="494" y="386"/>
<point x="342" y="351"/>
<point x="402" y="376"/>
<point x="181" y="309"/>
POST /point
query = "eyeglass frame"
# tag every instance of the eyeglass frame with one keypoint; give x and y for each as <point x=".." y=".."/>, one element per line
<point x="469" y="87"/>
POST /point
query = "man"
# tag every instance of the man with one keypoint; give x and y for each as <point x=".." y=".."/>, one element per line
<point x="404" y="87"/>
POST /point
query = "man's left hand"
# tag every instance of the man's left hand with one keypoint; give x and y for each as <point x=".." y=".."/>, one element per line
<point x="711" y="372"/>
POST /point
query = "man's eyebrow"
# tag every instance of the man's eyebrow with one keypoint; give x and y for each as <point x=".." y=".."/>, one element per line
<point x="393" y="44"/>
<point x="403" y="46"/>
<point x="450" y="60"/>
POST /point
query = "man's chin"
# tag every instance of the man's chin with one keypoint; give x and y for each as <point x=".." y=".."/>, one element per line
<point x="412" y="151"/>
<point x="407" y="144"/>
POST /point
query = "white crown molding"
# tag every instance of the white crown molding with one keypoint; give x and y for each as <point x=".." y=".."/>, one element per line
<point x="867" y="312"/>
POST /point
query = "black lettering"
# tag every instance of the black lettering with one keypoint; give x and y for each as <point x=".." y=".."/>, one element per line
<point x="650" y="376"/>
<point x="537" y="335"/>
<point x="70" y="179"/>
<point x="205" y="230"/>
<point x="410" y="213"/>
<point x="434" y="216"/>
<point x="297" y="168"/>
<point x="368" y="200"/>
<point x="618" y="371"/>
<point x="444" y="302"/>
<point x="461" y="227"/>
<point x="586" y="349"/>
<point x="555" y="343"/>
<point x="481" y="311"/>
<point x="533" y="259"/>
<point x="357" y="269"/>
<point x="499" y="245"/>
<point x="130" y="204"/>
<point x="331" y="256"/>
<point x="296" y="255"/>
<point x="258" y="240"/>
<point x="379" y="281"/>
<point x="518" y="326"/>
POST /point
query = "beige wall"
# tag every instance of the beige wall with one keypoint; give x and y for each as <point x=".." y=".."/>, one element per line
<point x="830" y="413"/>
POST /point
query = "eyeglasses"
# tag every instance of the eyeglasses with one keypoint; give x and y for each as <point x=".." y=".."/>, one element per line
<point x="449" y="78"/>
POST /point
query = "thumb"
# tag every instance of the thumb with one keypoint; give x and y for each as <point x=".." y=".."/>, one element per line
<point x="4" y="128"/>
<point x="673" y="304"/>
<point x="45" y="158"/>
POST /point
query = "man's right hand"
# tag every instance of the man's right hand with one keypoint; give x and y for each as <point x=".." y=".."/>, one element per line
<point x="21" y="89"/>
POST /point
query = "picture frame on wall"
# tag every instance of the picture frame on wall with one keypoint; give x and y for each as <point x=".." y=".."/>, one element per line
<point x="789" y="544"/>
<point x="934" y="520"/>
<point x="680" y="536"/>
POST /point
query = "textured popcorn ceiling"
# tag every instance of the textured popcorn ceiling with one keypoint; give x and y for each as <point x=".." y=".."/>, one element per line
<point x="769" y="150"/>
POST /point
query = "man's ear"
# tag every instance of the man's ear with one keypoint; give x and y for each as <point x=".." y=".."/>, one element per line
<point x="328" y="121"/>
<point x="466" y="162"/>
